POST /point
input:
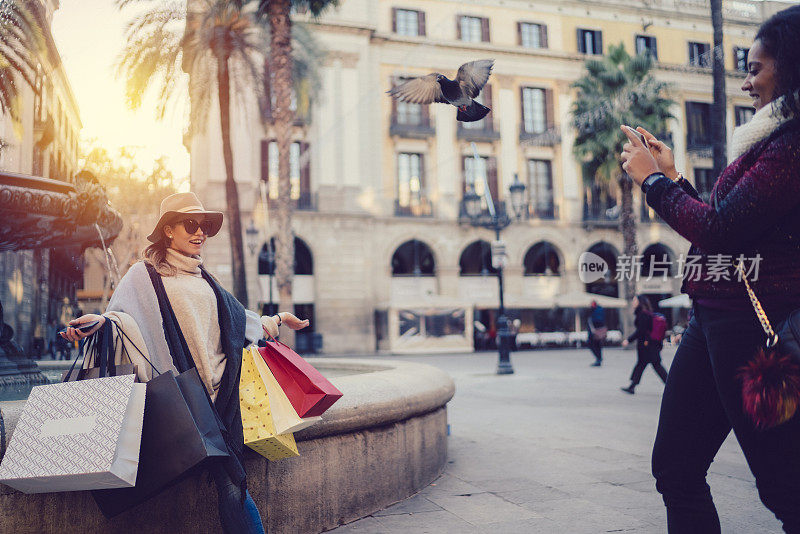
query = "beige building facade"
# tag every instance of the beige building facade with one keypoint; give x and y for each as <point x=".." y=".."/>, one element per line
<point x="387" y="263"/>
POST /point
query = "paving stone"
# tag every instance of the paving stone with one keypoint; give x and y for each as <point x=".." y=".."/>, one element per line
<point x="414" y="505"/>
<point x="622" y="476"/>
<point x="442" y="522"/>
<point x="483" y="508"/>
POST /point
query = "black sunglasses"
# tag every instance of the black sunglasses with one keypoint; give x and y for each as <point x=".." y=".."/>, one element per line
<point x="191" y="226"/>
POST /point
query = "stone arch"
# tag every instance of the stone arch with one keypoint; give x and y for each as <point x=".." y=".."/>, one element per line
<point x="608" y="285"/>
<point x="413" y="258"/>
<point x="476" y="259"/>
<point x="658" y="260"/>
<point x="303" y="258"/>
<point x="542" y="258"/>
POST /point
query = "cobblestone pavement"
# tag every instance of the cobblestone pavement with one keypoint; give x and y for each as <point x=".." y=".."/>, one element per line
<point x="556" y="448"/>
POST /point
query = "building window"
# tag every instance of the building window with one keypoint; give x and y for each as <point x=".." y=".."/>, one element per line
<point x="534" y="110"/>
<point x="408" y="22"/>
<point x="542" y="259"/>
<point x="590" y="42"/>
<point x="299" y="176"/>
<point x="413" y="258"/>
<point x="740" y="58"/>
<point x="703" y="182"/>
<point x="408" y="113"/>
<point x="646" y="44"/>
<point x="476" y="259"/>
<point x="473" y="29"/>
<point x="699" y="55"/>
<point x="477" y="174"/>
<point x="743" y="114"/>
<point x="532" y="35"/>
<point x="698" y="118"/>
<point x="411" y="199"/>
<point x="540" y="188"/>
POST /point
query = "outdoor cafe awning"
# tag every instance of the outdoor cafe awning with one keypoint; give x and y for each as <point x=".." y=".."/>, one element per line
<point x="580" y="299"/>
<point x="678" y="301"/>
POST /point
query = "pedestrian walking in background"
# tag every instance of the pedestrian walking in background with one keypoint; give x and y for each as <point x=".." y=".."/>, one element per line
<point x="754" y="212"/>
<point x="648" y="345"/>
<point x="171" y="292"/>
<point x="597" y="331"/>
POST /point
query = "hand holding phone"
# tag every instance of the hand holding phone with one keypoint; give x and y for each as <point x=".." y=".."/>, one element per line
<point x="84" y="328"/>
<point x="639" y="135"/>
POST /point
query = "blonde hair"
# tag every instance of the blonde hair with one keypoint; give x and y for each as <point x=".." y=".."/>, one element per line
<point x="156" y="255"/>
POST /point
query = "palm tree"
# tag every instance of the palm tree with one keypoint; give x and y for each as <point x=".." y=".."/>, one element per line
<point x="221" y="44"/>
<point x="277" y="13"/>
<point x="619" y="89"/>
<point x="719" y="131"/>
<point x="21" y="47"/>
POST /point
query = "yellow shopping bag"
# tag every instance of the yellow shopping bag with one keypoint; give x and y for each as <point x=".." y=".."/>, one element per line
<point x="284" y="416"/>
<point x="259" y="429"/>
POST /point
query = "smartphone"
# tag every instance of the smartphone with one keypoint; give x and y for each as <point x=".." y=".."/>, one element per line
<point x="84" y="328"/>
<point x="639" y="135"/>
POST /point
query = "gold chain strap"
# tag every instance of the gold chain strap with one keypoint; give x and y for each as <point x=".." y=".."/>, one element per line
<point x="772" y="337"/>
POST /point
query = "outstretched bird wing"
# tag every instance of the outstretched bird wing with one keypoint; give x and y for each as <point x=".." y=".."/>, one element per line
<point x="473" y="76"/>
<point x="422" y="90"/>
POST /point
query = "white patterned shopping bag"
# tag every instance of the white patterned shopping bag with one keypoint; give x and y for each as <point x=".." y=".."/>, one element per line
<point x="77" y="436"/>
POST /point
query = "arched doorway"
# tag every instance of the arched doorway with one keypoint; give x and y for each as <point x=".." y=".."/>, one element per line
<point x="476" y="260"/>
<point x="542" y="259"/>
<point x="413" y="258"/>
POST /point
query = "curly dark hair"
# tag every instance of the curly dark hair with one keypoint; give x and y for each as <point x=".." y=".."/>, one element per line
<point x="780" y="36"/>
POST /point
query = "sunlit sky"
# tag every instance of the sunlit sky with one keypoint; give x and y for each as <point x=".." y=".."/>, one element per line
<point x="90" y="35"/>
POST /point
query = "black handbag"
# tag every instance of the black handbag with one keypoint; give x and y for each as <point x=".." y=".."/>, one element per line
<point x="98" y="349"/>
<point x="771" y="380"/>
<point x="180" y="431"/>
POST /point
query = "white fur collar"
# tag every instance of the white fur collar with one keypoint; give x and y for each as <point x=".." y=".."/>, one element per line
<point x="763" y="123"/>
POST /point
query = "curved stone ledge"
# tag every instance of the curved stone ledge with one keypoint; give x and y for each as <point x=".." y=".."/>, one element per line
<point x="382" y="442"/>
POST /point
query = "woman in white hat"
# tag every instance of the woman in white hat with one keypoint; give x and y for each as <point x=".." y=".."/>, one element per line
<point x="176" y="304"/>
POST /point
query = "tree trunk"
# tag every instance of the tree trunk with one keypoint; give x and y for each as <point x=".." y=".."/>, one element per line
<point x="281" y="65"/>
<point x="627" y="225"/>
<point x="719" y="132"/>
<point x="231" y="191"/>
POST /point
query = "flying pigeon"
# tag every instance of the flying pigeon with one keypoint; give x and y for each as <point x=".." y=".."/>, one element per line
<point x="435" y="87"/>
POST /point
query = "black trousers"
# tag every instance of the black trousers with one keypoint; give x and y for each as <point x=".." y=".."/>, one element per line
<point x="648" y="355"/>
<point x="702" y="402"/>
<point x="596" y="346"/>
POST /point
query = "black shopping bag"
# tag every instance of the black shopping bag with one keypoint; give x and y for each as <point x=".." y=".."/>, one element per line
<point x="180" y="431"/>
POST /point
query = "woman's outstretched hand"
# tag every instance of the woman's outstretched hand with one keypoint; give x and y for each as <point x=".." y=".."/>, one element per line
<point x="73" y="334"/>
<point x="637" y="160"/>
<point x="661" y="153"/>
<point x="293" y="322"/>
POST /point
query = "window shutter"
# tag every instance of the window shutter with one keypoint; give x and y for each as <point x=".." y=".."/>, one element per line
<point x="491" y="165"/>
<point x="305" y="169"/>
<point x="458" y="26"/>
<point x="422" y="175"/>
<point x="394" y="20"/>
<point x="426" y="114"/>
<point x="581" y="46"/>
<point x="393" y="80"/>
<point x="265" y="160"/>
<point x="599" y="42"/>
<point x="549" y="108"/>
<point x="655" y="48"/>
<point x="485" y="30"/>
<point x="487" y="95"/>
<point x="519" y="33"/>
<point x="543" y="35"/>
<point x="463" y="175"/>
<point x="522" y="108"/>
<point x="421" y="23"/>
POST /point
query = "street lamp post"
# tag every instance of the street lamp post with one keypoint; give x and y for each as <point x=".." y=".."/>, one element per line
<point x="497" y="221"/>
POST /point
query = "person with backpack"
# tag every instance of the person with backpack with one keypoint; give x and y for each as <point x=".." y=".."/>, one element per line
<point x="649" y="333"/>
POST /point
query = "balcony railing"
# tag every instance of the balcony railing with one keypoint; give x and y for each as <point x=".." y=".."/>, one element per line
<point x="414" y="130"/>
<point x="546" y="213"/>
<point x="549" y="137"/>
<point x="600" y="215"/>
<point x="699" y="146"/>
<point x="485" y="132"/>
<point x="422" y="208"/>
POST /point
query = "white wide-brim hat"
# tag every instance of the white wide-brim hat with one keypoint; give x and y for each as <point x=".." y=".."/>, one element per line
<point x="176" y="207"/>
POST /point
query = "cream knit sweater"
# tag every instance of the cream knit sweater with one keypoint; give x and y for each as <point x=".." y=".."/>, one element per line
<point x="195" y="307"/>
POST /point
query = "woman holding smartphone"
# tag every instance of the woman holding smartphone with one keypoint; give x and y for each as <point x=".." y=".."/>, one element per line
<point x="170" y="295"/>
<point x="754" y="213"/>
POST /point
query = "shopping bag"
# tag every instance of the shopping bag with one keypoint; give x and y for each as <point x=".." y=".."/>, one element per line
<point x="309" y="392"/>
<point x="77" y="436"/>
<point x="180" y="431"/>
<point x="284" y="416"/>
<point x="259" y="428"/>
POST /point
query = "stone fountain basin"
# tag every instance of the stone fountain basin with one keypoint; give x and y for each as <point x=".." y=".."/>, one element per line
<point x="383" y="441"/>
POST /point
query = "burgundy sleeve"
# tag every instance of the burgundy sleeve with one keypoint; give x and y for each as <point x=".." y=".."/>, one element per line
<point x="766" y="192"/>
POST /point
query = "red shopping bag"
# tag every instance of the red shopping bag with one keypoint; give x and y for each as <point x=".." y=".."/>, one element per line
<point x="309" y="392"/>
